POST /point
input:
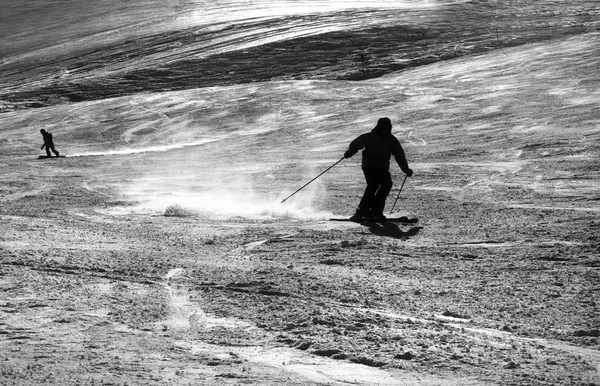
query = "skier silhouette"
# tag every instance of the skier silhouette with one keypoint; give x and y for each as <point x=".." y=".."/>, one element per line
<point x="378" y="147"/>
<point x="48" y="143"/>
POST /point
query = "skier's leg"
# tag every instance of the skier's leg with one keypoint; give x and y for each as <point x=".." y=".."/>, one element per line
<point x="385" y="186"/>
<point x="53" y="150"/>
<point x="366" y="203"/>
<point x="48" y="151"/>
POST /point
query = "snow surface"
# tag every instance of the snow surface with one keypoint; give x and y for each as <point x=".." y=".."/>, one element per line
<point x="162" y="235"/>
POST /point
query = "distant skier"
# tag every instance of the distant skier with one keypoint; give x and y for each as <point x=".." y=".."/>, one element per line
<point x="378" y="145"/>
<point x="48" y="143"/>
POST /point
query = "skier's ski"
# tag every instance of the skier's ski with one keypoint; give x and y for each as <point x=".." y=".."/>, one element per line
<point x="54" y="156"/>
<point x="403" y="219"/>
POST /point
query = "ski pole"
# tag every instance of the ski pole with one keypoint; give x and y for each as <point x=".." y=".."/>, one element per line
<point x="305" y="185"/>
<point x="392" y="211"/>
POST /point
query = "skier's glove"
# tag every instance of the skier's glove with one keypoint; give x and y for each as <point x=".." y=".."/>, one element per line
<point x="348" y="154"/>
<point x="409" y="173"/>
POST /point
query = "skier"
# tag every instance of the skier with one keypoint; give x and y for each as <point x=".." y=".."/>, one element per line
<point x="48" y="143"/>
<point x="378" y="145"/>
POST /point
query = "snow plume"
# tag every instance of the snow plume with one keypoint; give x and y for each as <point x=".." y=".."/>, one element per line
<point x="239" y="200"/>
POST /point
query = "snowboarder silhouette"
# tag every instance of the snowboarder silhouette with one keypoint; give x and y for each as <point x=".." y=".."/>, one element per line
<point x="48" y="143"/>
<point x="378" y="147"/>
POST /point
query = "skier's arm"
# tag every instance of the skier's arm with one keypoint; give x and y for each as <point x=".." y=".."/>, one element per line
<point x="401" y="159"/>
<point x="355" y="146"/>
<point x="43" y="145"/>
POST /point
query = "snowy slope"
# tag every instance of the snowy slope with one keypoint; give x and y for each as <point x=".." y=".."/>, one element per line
<point x="494" y="117"/>
<point x="76" y="53"/>
<point x="158" y="252"/>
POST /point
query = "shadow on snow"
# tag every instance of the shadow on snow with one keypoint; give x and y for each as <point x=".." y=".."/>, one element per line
<point x="392" y="230"/>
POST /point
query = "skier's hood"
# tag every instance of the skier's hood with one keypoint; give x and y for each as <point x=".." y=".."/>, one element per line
<point x="383" y="128"/>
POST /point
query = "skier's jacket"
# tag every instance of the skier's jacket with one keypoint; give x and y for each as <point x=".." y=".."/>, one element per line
<point x="378" y="149"/>
<point x="47" y="138"/>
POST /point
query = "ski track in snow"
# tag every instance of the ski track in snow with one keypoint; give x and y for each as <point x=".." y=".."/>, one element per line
<point x="186" y="316"/>
<point x="317" y="369"/>
<point x="150" y="149"/>
<point x="533" y="206"/>
<point x="590" y="355"/>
